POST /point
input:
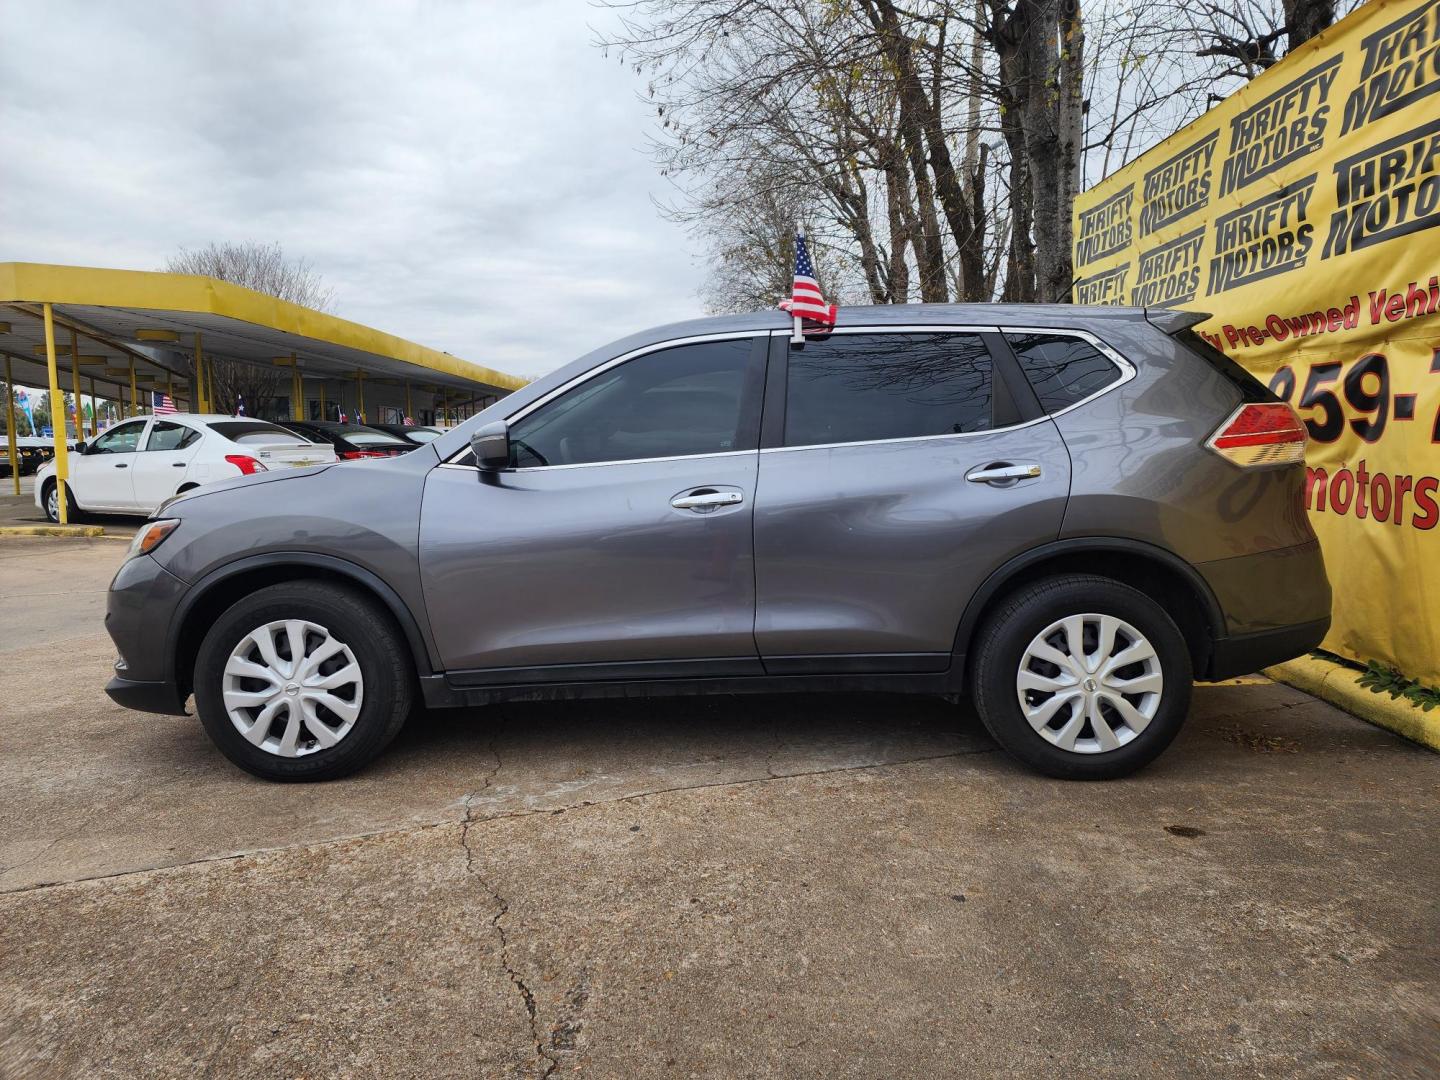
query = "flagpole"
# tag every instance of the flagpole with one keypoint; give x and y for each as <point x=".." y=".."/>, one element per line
<point x="797" y="335"/>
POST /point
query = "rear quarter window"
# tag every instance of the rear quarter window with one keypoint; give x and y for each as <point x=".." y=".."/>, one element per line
<point x="1062" y="368"/>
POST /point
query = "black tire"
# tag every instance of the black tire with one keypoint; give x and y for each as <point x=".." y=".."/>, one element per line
<point x="72" y="512"/>
<point x="1021" y="616"/>
<point x="378" y="647"/>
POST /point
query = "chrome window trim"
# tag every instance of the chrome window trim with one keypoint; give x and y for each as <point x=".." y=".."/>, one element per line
<point x="1128" y="371"/>
<point x="586" y="376"/>
<point x="619" y="461"/>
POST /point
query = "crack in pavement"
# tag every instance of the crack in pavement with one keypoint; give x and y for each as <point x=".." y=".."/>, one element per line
<point x="470" y="821"/>
<point x="502" y="907"/>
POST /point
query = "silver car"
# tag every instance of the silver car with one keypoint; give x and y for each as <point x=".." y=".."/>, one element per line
<point x="1065" y="514"/>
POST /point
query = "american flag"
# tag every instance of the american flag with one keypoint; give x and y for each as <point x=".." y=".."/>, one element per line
<point x="808" y="302"/>
<point x="161" y="405"/>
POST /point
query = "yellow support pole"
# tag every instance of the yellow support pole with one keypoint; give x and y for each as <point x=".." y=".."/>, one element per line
<point x="94" y="410"/>
<point x="200" y="400"/>
<point x="322" y="400"/>
<point x="57" y="406"/>
<point x="297" y="392"/>
<point x="134" y="395"/>
<point x="409" y="410"/>
<point x="170" y="389"/>
<point x="10" y="427"/>
<point x="75" y="383"/>
<point x="359" y="397"/>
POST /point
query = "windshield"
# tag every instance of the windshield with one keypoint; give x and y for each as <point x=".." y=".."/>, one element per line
<point x="421" y="434"/>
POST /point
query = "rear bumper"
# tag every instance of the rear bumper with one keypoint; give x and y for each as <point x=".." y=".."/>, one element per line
<point x="1270" y="590"/>
<point x="1276" y="605"/>
<point x="1244" y="653"/>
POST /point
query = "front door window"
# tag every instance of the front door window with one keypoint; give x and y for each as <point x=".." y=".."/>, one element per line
<point x="680" y="402"/>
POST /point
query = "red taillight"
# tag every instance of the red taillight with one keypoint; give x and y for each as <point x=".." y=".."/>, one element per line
<point x="351" y="455"/>
<point x="1264" y="433"/>
<point x="245" y="463"/>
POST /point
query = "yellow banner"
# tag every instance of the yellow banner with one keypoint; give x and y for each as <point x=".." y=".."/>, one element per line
<point x="1304" y="214"/>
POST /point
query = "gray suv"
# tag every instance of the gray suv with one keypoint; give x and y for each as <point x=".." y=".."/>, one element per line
<point x="1067" y="514"/>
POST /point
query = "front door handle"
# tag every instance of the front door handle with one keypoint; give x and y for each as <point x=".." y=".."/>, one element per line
<point x="121" y="465"/>
<point x="1002" y="473"/>
<point x="703" y="500"/>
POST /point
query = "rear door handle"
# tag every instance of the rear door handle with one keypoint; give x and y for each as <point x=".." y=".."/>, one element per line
<point x="1002" y="473"/>
<point x="703" y="500"/>
<point x="121" y="465"/>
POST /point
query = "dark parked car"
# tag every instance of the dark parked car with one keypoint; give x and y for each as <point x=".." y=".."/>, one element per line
<point x="1066" y="513"/>
<point x="419" y="434"/>
<point x="351" y="441"/>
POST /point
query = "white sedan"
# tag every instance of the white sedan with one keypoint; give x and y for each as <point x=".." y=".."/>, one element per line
<point x="135" y="466"/>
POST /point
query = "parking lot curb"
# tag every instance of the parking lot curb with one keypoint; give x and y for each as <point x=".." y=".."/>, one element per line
<point x="1337" y="684"/>
<point x="84" y="531"/>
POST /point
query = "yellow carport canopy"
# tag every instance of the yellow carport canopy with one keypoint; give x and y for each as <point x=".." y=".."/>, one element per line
<point x="111" y="312"/>
<point x="124" y="334"/>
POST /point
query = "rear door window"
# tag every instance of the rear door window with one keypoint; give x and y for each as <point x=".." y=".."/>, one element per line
<point x="170" y="436"/>
<point x="1062" y="368"/>
<point x="870" y="387"/>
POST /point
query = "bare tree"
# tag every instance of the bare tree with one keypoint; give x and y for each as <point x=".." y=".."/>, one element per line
<point x="1245" y="37"/>
<point x="264" y="268"/>
<point x="933" y="147"/>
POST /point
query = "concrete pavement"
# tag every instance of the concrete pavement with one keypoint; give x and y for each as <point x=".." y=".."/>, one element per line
<point x="809" y="886"/>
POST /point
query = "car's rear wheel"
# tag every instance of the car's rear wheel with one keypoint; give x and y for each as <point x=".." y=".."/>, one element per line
<point x="1082" y="677"/>
<point x="303" y="680"/>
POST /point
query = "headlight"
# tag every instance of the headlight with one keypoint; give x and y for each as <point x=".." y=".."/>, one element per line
<point x="151" y="535"/>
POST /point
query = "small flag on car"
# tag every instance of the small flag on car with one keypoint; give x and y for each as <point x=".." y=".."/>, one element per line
<point x="239" y="404"/>
<point x="807" y="303"/>
<point x="161" y="405"/>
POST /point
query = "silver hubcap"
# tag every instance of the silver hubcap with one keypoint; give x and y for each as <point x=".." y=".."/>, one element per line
<point x="52" y="504"/>
<point x="1089" y="683"/>
<point x="292" y="688"/>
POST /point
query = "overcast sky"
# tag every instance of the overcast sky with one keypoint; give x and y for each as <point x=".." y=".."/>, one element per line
<point x="468" y="175"/>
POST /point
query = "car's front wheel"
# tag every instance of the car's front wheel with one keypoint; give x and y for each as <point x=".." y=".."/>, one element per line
<point x="50" y="496"/>
<point x="1082" y="677"/>
<point x="303" y="680"/>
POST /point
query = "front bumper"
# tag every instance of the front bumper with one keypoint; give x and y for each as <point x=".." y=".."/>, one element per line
<point x="139" y="611"/>
<point x="156" y="697"/>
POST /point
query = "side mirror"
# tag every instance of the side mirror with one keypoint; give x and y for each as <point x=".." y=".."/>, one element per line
<point x="80" y="447"/>
<point x="491" y="447"/>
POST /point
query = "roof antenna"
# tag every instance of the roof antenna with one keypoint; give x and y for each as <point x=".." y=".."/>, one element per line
<point x="1063" y="293"/>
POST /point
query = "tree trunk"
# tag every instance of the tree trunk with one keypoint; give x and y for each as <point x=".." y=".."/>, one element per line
<point x="898" y="208"/>
<point x="1071" y="126"/>
<point x="1306" y="18"/>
